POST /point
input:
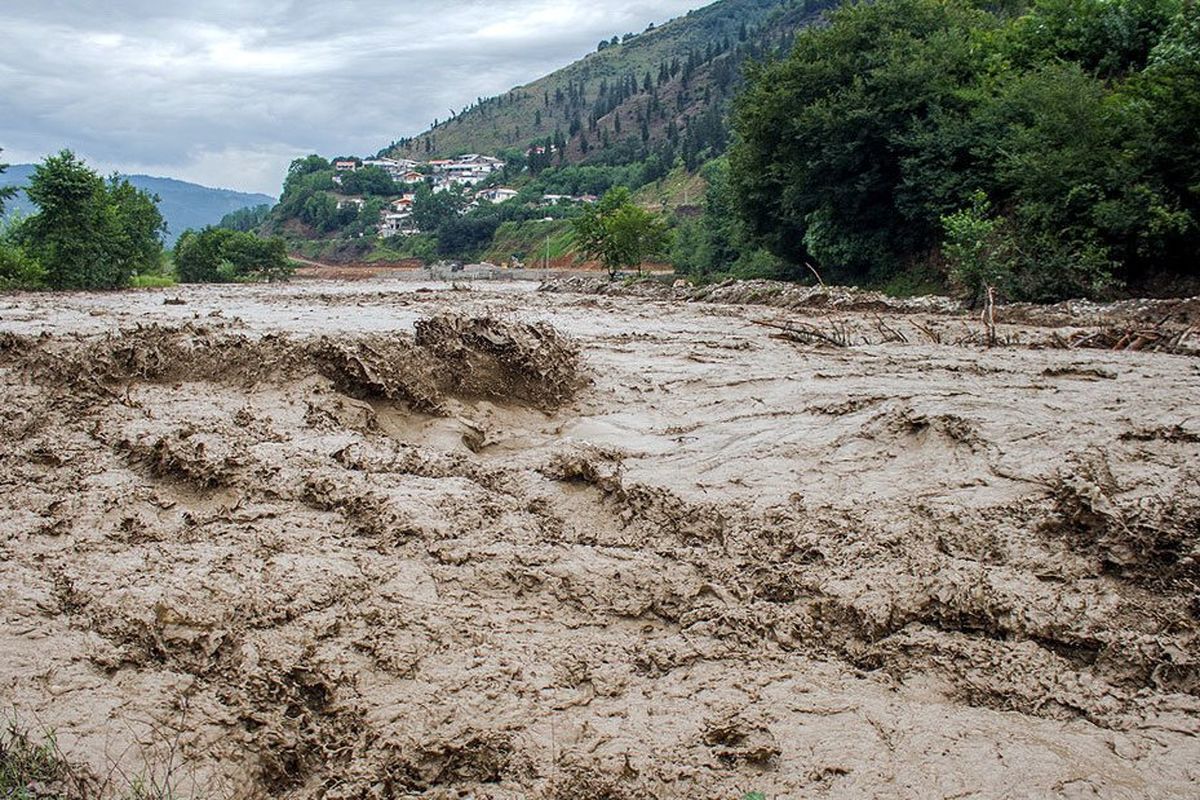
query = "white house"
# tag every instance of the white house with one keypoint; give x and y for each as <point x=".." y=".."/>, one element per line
<point x="499" y="194"/>
<point x="403" y="204"/>
<point x="397" y="168"/>
<point x="396" y="224"/>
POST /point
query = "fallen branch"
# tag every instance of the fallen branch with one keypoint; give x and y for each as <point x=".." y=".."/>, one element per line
<point x="807" y="334"/>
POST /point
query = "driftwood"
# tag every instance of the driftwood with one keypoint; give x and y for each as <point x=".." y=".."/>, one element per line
<point x="1156" y="339"/>
<point x="807" y="334"/>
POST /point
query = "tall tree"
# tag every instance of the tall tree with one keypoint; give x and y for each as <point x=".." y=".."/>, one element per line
<point x="88" y="233"/>
<point x="619" y="233"/>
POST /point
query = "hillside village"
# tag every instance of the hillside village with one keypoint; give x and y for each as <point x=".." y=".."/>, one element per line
<point x="464" y="173"/>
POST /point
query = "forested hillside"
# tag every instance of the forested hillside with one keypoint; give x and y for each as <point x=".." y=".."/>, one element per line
<point x="1034" y="150"/>
<point x="660" y="93"/>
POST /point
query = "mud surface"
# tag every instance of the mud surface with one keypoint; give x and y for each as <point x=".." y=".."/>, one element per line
<point x="393" y="540"/>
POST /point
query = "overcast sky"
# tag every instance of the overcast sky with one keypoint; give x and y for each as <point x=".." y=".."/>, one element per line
<point x="227" y="92"/>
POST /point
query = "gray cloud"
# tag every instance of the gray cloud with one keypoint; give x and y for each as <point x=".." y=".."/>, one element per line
<point x="226" y="93"/>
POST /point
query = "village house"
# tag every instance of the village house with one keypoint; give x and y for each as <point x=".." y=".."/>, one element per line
<point x="485" y="164"/>
<point x="396" y="224"/>
<point x="397" y="168"/>
<point x="499" y="194"/>
<point x="345" y="201"/>
<point x="345" y="166"/>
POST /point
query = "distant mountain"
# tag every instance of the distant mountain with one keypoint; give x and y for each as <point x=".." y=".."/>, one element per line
<point x="635" y="93"/>
<point x="183" y="205"/>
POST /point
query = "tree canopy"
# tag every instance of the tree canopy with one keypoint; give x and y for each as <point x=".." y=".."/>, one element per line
<point x="89" y="233"/>
<point x="619" y="233"/>
<point x="856" y="151"/>
<point x="219" y="255"/>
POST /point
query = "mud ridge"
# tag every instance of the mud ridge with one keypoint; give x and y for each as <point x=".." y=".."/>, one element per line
<point x="449" y="356"/>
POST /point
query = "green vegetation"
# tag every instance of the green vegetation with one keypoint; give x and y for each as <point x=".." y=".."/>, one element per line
<point x="153" y="281"/>
<point x="666" y="89"/>
<point x="89" y="233"/>
<point x="533" y="243"/>
<point x="1045" y="152"/>
<point x="218" y="255"/>
<point x="34" y="768"/>
<point x="422" y="246"/>
<point x="92" y="233"/>
<point x="717" y="244"/>
<point x="619" y="233"/>
<point x="18" y="269"/>
<point x="245" y="219"/>
<point x="28" y="765"/>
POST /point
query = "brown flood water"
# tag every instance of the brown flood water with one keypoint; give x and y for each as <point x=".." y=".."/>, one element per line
<point x="389" y="539"/>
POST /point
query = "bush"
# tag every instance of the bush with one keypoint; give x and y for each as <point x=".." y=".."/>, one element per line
<point x="976" y="249"/>
<point x="153" y="281"/>
<point x="216" y="255"/>
<point x="983" y="250"/>
<point x="18" y="269"/>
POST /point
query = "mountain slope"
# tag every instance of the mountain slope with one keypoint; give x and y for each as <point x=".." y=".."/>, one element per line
<point x="626" y="99"/>
<point x="183" y="205"/>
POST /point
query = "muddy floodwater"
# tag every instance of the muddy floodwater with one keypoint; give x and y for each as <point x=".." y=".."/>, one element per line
<point x="389" y="540"/>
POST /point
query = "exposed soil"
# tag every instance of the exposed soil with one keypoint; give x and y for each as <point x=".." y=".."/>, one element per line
<point x="400" y="540"/>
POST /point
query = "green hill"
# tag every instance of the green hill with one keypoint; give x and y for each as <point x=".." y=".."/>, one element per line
<point x="183" y="205"/>
<point x="668" y="85"/>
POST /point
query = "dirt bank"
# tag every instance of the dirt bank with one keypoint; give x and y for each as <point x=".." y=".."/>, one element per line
<point x="397" y="540"/>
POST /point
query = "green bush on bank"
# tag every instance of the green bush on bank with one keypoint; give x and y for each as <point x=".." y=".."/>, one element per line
<point x="218" y="255"/>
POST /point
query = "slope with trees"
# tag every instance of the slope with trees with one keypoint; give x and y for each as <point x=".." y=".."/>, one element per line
<point x="636" y="96"/>
<point x="1045" y="151"/>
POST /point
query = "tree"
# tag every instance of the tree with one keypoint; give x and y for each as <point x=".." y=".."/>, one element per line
<point x="1076" y="118"/>
<point x="818" y="167"/>
<point x="301" y="168"/>
<point x="433" y="209"/>
<point x="619" y="233"/>
<point x="88" y="233"/>
<point x="245" y="219"/>
<point x="198" y="255"/>
<point x="369" y="181"/>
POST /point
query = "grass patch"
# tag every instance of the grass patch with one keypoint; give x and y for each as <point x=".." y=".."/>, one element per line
<point x="153" y="282"/>
<point x="527" y="241"/>
<point x="32" y="767"/>
<point x="678" y="188"/>
<point x="422" y="246"/>
<point x="916" y="282"/>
